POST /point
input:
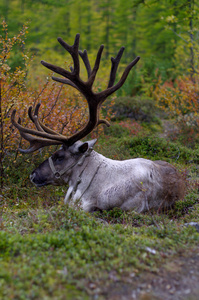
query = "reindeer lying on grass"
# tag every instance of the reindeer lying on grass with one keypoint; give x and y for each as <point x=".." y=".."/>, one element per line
<point x="94" y="180"/>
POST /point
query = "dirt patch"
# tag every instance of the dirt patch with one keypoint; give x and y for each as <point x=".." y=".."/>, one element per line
<point x="177" y="279"/>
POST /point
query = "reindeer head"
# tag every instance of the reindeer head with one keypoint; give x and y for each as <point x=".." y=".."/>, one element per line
<point x="57" y="169"/>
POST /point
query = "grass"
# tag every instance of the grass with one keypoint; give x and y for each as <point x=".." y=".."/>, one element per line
<point x="57" y="252"/>
<point x="148" y="146"/>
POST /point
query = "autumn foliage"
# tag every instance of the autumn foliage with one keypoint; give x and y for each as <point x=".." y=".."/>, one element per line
<point x="179" y="100"/>
<point x="133" y="127"/>
<point x="62" y="107"/>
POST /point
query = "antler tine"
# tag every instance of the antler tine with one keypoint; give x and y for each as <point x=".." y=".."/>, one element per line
<point x="38" y="124"/>
<point x="48" y="134"/>
<point x="73" y="50"/>
<point x="34" y="118"/>
<point x="96" y="67"/>
<point x="35" y="142"/>
<point x="65" y="81"/>
<point x="115" y="63"/>
<point x="104" y="94"/>
<point x="30" y="114"/>
<point x="57" y="69"/>
<point x="85" y="59"/>
<point x="74" y="74"/>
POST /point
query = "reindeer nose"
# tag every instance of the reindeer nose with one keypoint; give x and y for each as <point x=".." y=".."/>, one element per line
<point x="37" y="178"/>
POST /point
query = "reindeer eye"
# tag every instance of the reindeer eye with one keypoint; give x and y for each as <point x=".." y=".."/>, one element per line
<point x="59" y="158"/>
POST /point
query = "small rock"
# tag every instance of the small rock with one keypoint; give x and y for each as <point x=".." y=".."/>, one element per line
<point x="168" y="287"/>
<point x="63" y="272"/>
<point x="153" y="251"/>
<point x="92" y="286"/>
<point x="187" y="291"/>
<point x="194" y="224"/>
<point x="113" y="276"/>
<point x="149" y="286"/>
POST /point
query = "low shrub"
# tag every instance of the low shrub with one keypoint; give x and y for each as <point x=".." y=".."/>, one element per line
<point x="124" y="128"/>
<point x="137" y="108"/>
<point x="154" y="147"/>
<point x="179" y="99"/>
<point x="150" y="147"/>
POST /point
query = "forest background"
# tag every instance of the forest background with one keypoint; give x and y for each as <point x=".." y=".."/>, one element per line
<point x="163" y="33"/>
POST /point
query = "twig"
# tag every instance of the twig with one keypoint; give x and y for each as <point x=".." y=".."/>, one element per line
<point x="53" y="106"/>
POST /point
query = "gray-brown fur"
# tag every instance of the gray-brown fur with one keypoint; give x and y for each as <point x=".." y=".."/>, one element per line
<point x="138" y="184"/>
<point x="173" y="183"/>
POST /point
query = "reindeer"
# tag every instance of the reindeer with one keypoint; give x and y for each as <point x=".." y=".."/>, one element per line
<point x="93" y="180"/>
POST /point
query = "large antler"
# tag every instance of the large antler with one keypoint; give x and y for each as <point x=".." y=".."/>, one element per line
<point x="43" y="136"/>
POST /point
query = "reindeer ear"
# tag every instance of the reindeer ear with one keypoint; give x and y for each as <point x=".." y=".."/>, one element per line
<point x="80" y="147"/>
<point x="83" y="148"/>
<point x="91" y="143"/>
<point x="87" y="145"/>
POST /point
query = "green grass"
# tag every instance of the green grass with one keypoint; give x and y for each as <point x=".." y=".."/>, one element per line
<point x="58" y="251"/>
<point x="147" y="146"/>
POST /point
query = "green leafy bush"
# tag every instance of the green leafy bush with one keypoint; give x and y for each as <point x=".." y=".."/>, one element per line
<point x="159" y="148"/>
<point x="137" y="108"/>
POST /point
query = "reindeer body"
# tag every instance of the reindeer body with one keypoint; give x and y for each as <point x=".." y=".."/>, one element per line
<point x="97" y="182"/>
<point x="131" y="184"/>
